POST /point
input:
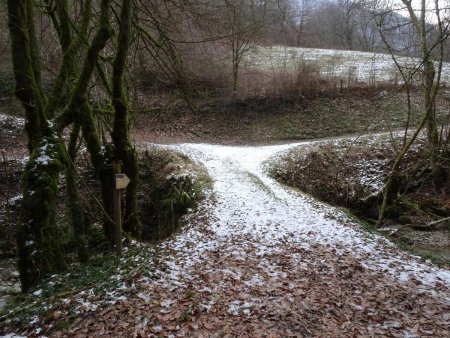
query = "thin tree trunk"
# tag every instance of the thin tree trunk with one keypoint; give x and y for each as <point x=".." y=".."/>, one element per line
<point x="26" y="84"/>
<point x="429" y="86"/>
<point x="120" y="135"/>
<point x="80" y="111"/>
<point x="76" y="213"/>
<point x="390" y="183"/>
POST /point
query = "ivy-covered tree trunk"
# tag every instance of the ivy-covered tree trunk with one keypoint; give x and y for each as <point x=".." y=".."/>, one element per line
<point x="38" y="239"/>
<point x="124" y="150"/>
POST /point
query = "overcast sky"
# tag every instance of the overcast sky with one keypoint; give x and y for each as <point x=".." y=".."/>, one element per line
<point x="417" y="6"/>
<point x="430" y="4"/>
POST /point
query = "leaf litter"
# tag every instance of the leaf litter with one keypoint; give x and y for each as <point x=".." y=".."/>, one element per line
<point x="259" y="259"/>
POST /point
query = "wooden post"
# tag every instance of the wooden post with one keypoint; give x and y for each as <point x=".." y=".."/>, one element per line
<point x="117" y="168"/>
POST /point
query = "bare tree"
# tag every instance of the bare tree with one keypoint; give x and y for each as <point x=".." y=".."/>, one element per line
<point x="430" y="39"/>
<point x="367" y="35"/>
<point x="239" y="22"/>
<point x="333" y="24"/>
<point x="243" y="22"/>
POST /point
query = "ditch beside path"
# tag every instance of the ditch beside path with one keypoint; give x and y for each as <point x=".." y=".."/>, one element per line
<point x="260" y="259"/>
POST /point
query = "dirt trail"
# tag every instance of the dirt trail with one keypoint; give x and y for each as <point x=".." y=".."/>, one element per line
<point x="260" y="259"/>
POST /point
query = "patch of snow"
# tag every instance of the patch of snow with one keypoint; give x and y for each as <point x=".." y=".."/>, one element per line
<point x="122" y="298"/>
<point x="34" y="320"/>
<point x="236" y="307"/>
<point x="235" y="275"/>
<point x="157" y="328"/>
<point x="144" y="297"/>
<point x="206" y="289"/>
<point x="16" y="199"/>
<point x="24" y="160"/>
<point x="43" y="159"/>
<point x="167" y="303"/>
<point x="255" y="280"/>
<point x="87" y="305"/>
<point x="37" y="292"/>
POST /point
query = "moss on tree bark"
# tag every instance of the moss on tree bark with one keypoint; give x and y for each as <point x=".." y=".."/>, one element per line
<point x="120" y="135"/>
<point x="38" y="237"/>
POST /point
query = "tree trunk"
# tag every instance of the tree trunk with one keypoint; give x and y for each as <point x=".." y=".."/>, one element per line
<point x="430" y="111"/>
<point x="80" y="111"/>
<point x="38" y="238"/>
<point x="76" y="213"/>
<point x="235" y="64"/>
<point x="429" y="86"/>
<point x="392" y="179"/>
<point x="26" y="85"/>
<point x="120" y="135"/>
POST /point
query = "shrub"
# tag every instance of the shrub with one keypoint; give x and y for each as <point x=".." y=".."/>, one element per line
<point x="171" y="186"/>
<point x="340" y="176"/>
<point x="6" y="82"/>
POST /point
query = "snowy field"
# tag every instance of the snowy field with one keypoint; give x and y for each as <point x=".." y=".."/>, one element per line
<point x="348" y="65"/>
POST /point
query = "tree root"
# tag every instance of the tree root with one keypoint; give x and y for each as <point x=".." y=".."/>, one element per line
<point x="430" y="226"/>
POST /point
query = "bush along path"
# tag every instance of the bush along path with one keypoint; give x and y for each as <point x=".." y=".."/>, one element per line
<point x="259" y="259"/>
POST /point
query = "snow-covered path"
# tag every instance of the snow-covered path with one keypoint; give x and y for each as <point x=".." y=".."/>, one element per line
<point x="250" y="203"/>
<point x="268" y="251"/>
<point x="265" y="260"/>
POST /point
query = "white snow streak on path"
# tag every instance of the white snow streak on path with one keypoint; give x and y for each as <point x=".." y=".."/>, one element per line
<point x="252" y="205"/>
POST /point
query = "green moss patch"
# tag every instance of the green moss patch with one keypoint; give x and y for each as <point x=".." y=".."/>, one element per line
<point x="171" y="185"/>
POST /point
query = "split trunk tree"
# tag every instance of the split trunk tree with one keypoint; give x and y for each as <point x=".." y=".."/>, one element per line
<point x="83" y="36"/>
